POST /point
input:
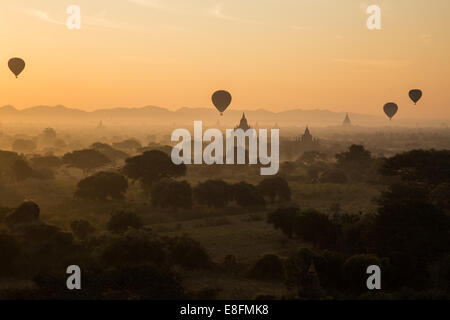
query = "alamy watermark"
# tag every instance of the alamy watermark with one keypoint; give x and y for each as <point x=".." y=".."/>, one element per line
<point x="213" y="153"/>
<point x="374" y="20"/>
<point x="74" y="20"/>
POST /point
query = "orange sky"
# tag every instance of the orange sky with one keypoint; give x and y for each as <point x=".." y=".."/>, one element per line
<point x="271" y="54"/>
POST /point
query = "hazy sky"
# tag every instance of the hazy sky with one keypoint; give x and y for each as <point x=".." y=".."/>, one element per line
<point x="272" y="54"/>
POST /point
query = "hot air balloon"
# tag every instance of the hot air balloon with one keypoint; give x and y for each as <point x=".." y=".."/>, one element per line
<point x="415" y="95"/>
<point x="221" y="100"/>
<point x="390" y="109"/>
<point x="16" y="65"/>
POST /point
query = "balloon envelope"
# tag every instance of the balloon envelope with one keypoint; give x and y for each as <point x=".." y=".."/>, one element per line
<point x="415" y="95"/>
<point x="16" y="65"/>
<point x="390" y="109"/>
<point x="221" y="100"/>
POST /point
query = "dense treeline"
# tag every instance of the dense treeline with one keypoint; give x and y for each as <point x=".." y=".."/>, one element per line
<point x="409" y="236"/>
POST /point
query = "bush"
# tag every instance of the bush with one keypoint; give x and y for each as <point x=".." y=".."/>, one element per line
<point x="283" y="219"/>
<point x="275" y="188"/>
<point x="269" y="267"/>
<point x="101" y="186"/>
<point x="26" y="213"/>
<point x="143" y="282"/>
<point x="81" y="229"/>
<point x="172" y="194"/>
<point x="10" y="252"/>
<point x="120" y="221"/>
<point x="188" y="253"/>
<point x="246" y="195"/>
<point x="312" y="225"/>
<point x="133" y="248"/>
<point x="86" y="160"/>
<point x="213" y="193"/>
<point x="21" y="170"/>
<point x="152" y="166"/>
<point x="23" y="146"/>
<point x="334" y="176"/>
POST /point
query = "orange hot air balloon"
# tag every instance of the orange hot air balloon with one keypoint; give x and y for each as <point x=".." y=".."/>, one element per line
<point x="16" y="65"/>
<point x="221" y="100"/>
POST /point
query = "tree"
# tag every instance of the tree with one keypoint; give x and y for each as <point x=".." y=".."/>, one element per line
<point x="134" y="247"/>
<point x="423" y="166"/>
<point x="440" y="196"/>
<point x="23" y="146"/>
<point x="213" y="193"/>
<point x="102" y="186"/>
<point x="46" y="162"/>
<point x="411" y="231"/>
<point x="169" y="193"/>
<point x="86" y="160"/>
<point x="81" y="229"/>
<point x="269" y="267"/>
<point x="275" y="187"/>
<point x="357" y="163"/>
<point x="48" y="137"/>
<point x="309" y="158"/>
<point x="129" y="144"/>
<point x="20" y="170"/>
<point x="26" y="213"/>
<point x="152" y="166"/>
<point x="120" y="221"/>
<point x="188" y="253"/>
<point x="113" y="154"/>
<point x="356" y="155"/>
<point x="7" y="159"/>
<point x="312" y="225"/>
<point x="48" y="134"/>
<point x="284" y="219"/>
<point x="440" y="273"/>
<point x="10" y="252"/>
<point x="246" y="195"/>
<point x="334" y="176"/>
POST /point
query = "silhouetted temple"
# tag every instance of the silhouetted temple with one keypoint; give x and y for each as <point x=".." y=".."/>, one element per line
<point x="307" y="141"/>
<point x="243" y="123"/>
<point x="310" y="284"/>
<point x="100" y="125"/>
<point x="347" y="122"/>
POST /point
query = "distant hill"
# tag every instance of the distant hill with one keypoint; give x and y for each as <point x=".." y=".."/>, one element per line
<point x="185" y="116"/>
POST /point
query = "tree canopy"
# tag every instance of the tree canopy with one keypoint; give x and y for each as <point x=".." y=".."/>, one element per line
<point x="86" y="159"/>
<point x="424" y="166"/>
<point x="275" y="188"/>
<point x="152" y="166"/>
<point x="102" y="186"/>
<point x="213" y="193"/>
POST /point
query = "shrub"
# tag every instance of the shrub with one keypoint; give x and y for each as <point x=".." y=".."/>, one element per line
<point x="188" y="253"/>
<point x="120" y="221"/>
<point x="334" y="176"/>
<point x="275" y="188"/>
<point x="133" y="248"/>
<point x="170" y="193"/>
<point x="81" y="229"/>
<point x="283" y="219"/>
<point x="101" y="186"/>
<point x="269" y="267"/>
<point x="246" y="195"/>
<point x="26" y="213"/>
<point x="213" y="193"/>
